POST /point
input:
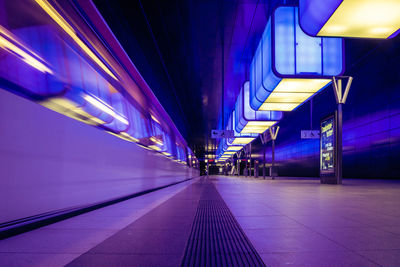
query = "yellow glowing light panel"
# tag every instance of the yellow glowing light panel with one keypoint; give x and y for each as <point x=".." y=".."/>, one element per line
<point x="290" y="93"/>
<point x="242" y="140"/>
<point x="228" y="153"/>
<point x="257" y="126"/>
<point x="234" y="148"/>
<point x="364" y="18"/>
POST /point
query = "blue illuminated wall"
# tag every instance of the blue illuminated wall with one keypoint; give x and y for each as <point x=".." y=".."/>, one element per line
<point x="371" y="133"/>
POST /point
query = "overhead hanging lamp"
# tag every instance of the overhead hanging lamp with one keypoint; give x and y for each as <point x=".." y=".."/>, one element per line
<point x="249" y="120"/>
<point x="350" y="18"/>
<point x="289" y="66"/>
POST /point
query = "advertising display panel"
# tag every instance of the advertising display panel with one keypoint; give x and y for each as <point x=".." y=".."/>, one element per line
<point x="328" y="149"/>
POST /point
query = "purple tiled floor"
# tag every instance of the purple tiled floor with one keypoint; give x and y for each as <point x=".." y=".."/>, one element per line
<point x="156" y="239"/>
<point x="289" y="222"/>
<point x="60" y="243"/>
<point x="303" y="223"/>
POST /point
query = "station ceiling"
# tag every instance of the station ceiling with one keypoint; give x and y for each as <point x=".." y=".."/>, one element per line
<point x="179" y="48"/>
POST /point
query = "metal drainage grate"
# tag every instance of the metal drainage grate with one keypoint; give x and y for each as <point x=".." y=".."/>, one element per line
<point x="216" y="238"/>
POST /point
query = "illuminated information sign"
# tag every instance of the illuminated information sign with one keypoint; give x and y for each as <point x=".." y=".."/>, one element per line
<point x="327" y="153"/>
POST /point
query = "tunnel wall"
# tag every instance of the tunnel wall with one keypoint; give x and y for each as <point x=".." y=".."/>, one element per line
<point x="50" y="162"/>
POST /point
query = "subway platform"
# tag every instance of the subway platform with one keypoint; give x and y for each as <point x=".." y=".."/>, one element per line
<point x="227" y="221"/>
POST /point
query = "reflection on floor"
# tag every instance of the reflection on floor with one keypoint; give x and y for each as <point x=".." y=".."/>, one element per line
<point x="289" y="222"/>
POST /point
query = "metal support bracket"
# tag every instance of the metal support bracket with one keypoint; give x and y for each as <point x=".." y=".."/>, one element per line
<point x="273" y="131"/>
<point x="341" y="96"/>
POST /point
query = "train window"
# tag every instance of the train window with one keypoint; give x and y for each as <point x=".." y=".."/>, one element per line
<point x="118" y="111"/>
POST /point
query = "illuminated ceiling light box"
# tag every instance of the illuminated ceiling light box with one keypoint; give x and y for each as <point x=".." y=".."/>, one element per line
<point x="227" y="143"/>
<point x="240" y="139"/>
<point x="289" y="66"/>
<point x="228" y="153"/>
<point x="350" y="18"/>
<point x="232" y="148"/>
<point x="248" y="120"/>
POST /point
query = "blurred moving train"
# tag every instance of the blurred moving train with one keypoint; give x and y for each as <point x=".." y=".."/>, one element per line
<point x="63" y="56"/>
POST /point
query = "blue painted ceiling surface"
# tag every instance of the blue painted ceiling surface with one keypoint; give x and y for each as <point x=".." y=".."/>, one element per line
<point x="179" y="47"/>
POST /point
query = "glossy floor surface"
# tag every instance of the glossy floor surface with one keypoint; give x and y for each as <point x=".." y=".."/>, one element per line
<point x="288" y="221"/>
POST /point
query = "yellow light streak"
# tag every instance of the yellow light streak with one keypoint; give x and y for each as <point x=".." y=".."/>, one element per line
<point x="154" y="147"/>
<point x="13" y="48"/>
<point x="133" y="139"/>
<point x="157" y="141"/>
<point x="71" y="32"/>
<point x="155" y="119"/>
<point x="104" y="107"/>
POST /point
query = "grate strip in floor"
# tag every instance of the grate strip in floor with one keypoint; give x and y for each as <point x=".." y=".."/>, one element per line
<point x="216" y="238"/>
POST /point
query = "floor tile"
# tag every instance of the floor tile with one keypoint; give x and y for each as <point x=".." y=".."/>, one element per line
<point x="383" y="257"/>
<point x="362" y="238"/>
<point x="35" y="259"/>
<point x="290" y="240"/>
<point x="316" y="259"/>
<point x="121" y="260"/>
<point x="59" y="241"/>
<point x="267" y="222"/>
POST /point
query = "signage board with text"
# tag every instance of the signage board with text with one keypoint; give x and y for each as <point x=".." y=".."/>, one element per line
<point x="310" y="134"/>
<point x="222" y="134"/>
<point x="328" y="145"/>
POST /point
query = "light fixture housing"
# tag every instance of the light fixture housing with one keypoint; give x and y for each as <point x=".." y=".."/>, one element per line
<point x="240" y="139"/>
<point x="350" y="18"/>
<point x="289" y="66"/>
<point x="250" y="121"/>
